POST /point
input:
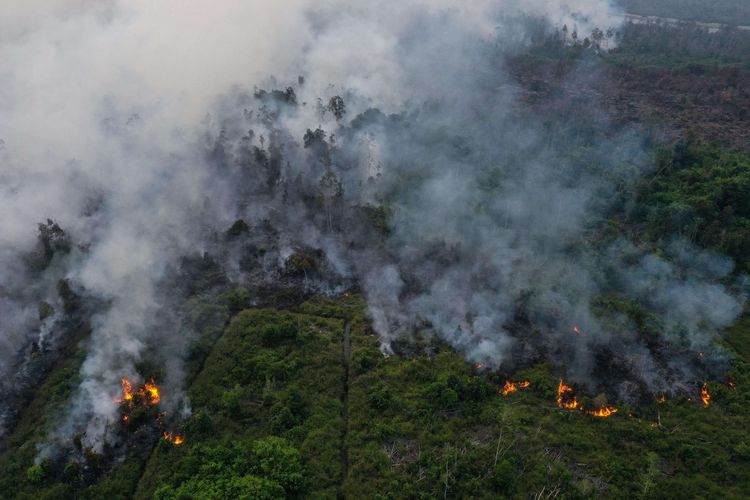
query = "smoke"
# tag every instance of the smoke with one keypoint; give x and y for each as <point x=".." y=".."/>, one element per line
<point x="395" y="157"/>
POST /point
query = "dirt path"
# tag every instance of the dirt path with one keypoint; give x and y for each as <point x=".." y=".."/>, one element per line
<point x="346" y="353"/>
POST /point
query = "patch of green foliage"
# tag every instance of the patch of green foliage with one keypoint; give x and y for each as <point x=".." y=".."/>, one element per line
<point x="272" y="382"/>
<point x="264" y="469"/>
<point x="702" y="193"/>
<point x="430" y="426"/>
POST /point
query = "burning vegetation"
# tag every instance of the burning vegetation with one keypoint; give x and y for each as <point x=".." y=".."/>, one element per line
<point x="148" y="392"/>
<point x="603" y="412"/>
<point x="175" y="439"/>
<point x="138" y="406"/>
<point x="511" y="387"/>
<point x="705" y="395"/>
<point x="566" y="399"/>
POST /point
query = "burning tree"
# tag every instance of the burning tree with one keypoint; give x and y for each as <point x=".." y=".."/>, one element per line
<point x="705" y="395"/>
<point x="175" y="439"/>
<point x="511" y="387"/>
<point x="566" y="399"/>
<point x="138" y="407"/>
<point x="138" y="404"/>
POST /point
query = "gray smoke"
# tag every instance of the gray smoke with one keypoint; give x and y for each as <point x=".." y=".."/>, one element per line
<point x="395" y="152"/>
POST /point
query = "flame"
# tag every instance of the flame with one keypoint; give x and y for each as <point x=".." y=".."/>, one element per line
<point x="149" y="392"/>
<point x="153" y="391"/>
<point x="511" y="387"/>
<point x="731" y="384"/>
<point x="148" y="396"/>
<point x="705" y="395"/>
<point x="576" y="330"/>
<point x="661" y="399"/>
<point x="480" y="366"/>
<point x="603" y="412"/>
<point x="565" y="397"/>
<point x="127" y="391"/>
<point x="175" y="439"/>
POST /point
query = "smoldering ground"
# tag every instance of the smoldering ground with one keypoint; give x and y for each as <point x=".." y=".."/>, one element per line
<point x="388" y="151"/>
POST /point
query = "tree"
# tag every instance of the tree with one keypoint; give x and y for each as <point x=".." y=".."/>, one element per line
<point x="275" y="458"/>
<point x="597" y="36"/>
<point x="332" y="191"/>
<point x="52" y="240"/>
<point x="35" y="474"/>
<point x="337" y="107"/>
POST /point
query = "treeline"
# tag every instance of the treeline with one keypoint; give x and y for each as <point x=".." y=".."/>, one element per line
<point x="638" y="43"/>
<point x="732" y="12"/>
<point x="686" y="42"/>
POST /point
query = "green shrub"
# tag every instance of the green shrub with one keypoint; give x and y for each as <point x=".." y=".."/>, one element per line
<point x="35" y="474"/>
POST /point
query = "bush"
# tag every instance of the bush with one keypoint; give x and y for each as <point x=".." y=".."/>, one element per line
<point x="236" y="299"/>
<point x="230" y="401"/>
<point x="72" y="471"/>
<point x="441" y="396"/>
<point x="277" y="333"/>
<point x="379" y="396"/>
<point x="503" y="476"/>
<point x="276" y="459"/>
<point x="741" y="451"/>
<point x="365" y="360"/>
<point x="35" y="474"/>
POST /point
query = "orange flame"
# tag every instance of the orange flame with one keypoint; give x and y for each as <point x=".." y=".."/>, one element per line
<point x="661" y="399"/>
<point x="175" y="439"/>
<point x="511" y="387"/>
<point x="603" y="412"/>
<point x="153" y="391"/>
<point x="149" y="391"/>
<point x="565" y="397"/>
<point x="127" y="391"/>
<point x="705" y="395"/>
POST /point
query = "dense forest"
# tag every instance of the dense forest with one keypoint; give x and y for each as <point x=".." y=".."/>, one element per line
<point x="291" y="392"/>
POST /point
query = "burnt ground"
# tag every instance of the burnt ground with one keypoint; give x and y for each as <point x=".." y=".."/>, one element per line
<point x="712" y="103"/>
